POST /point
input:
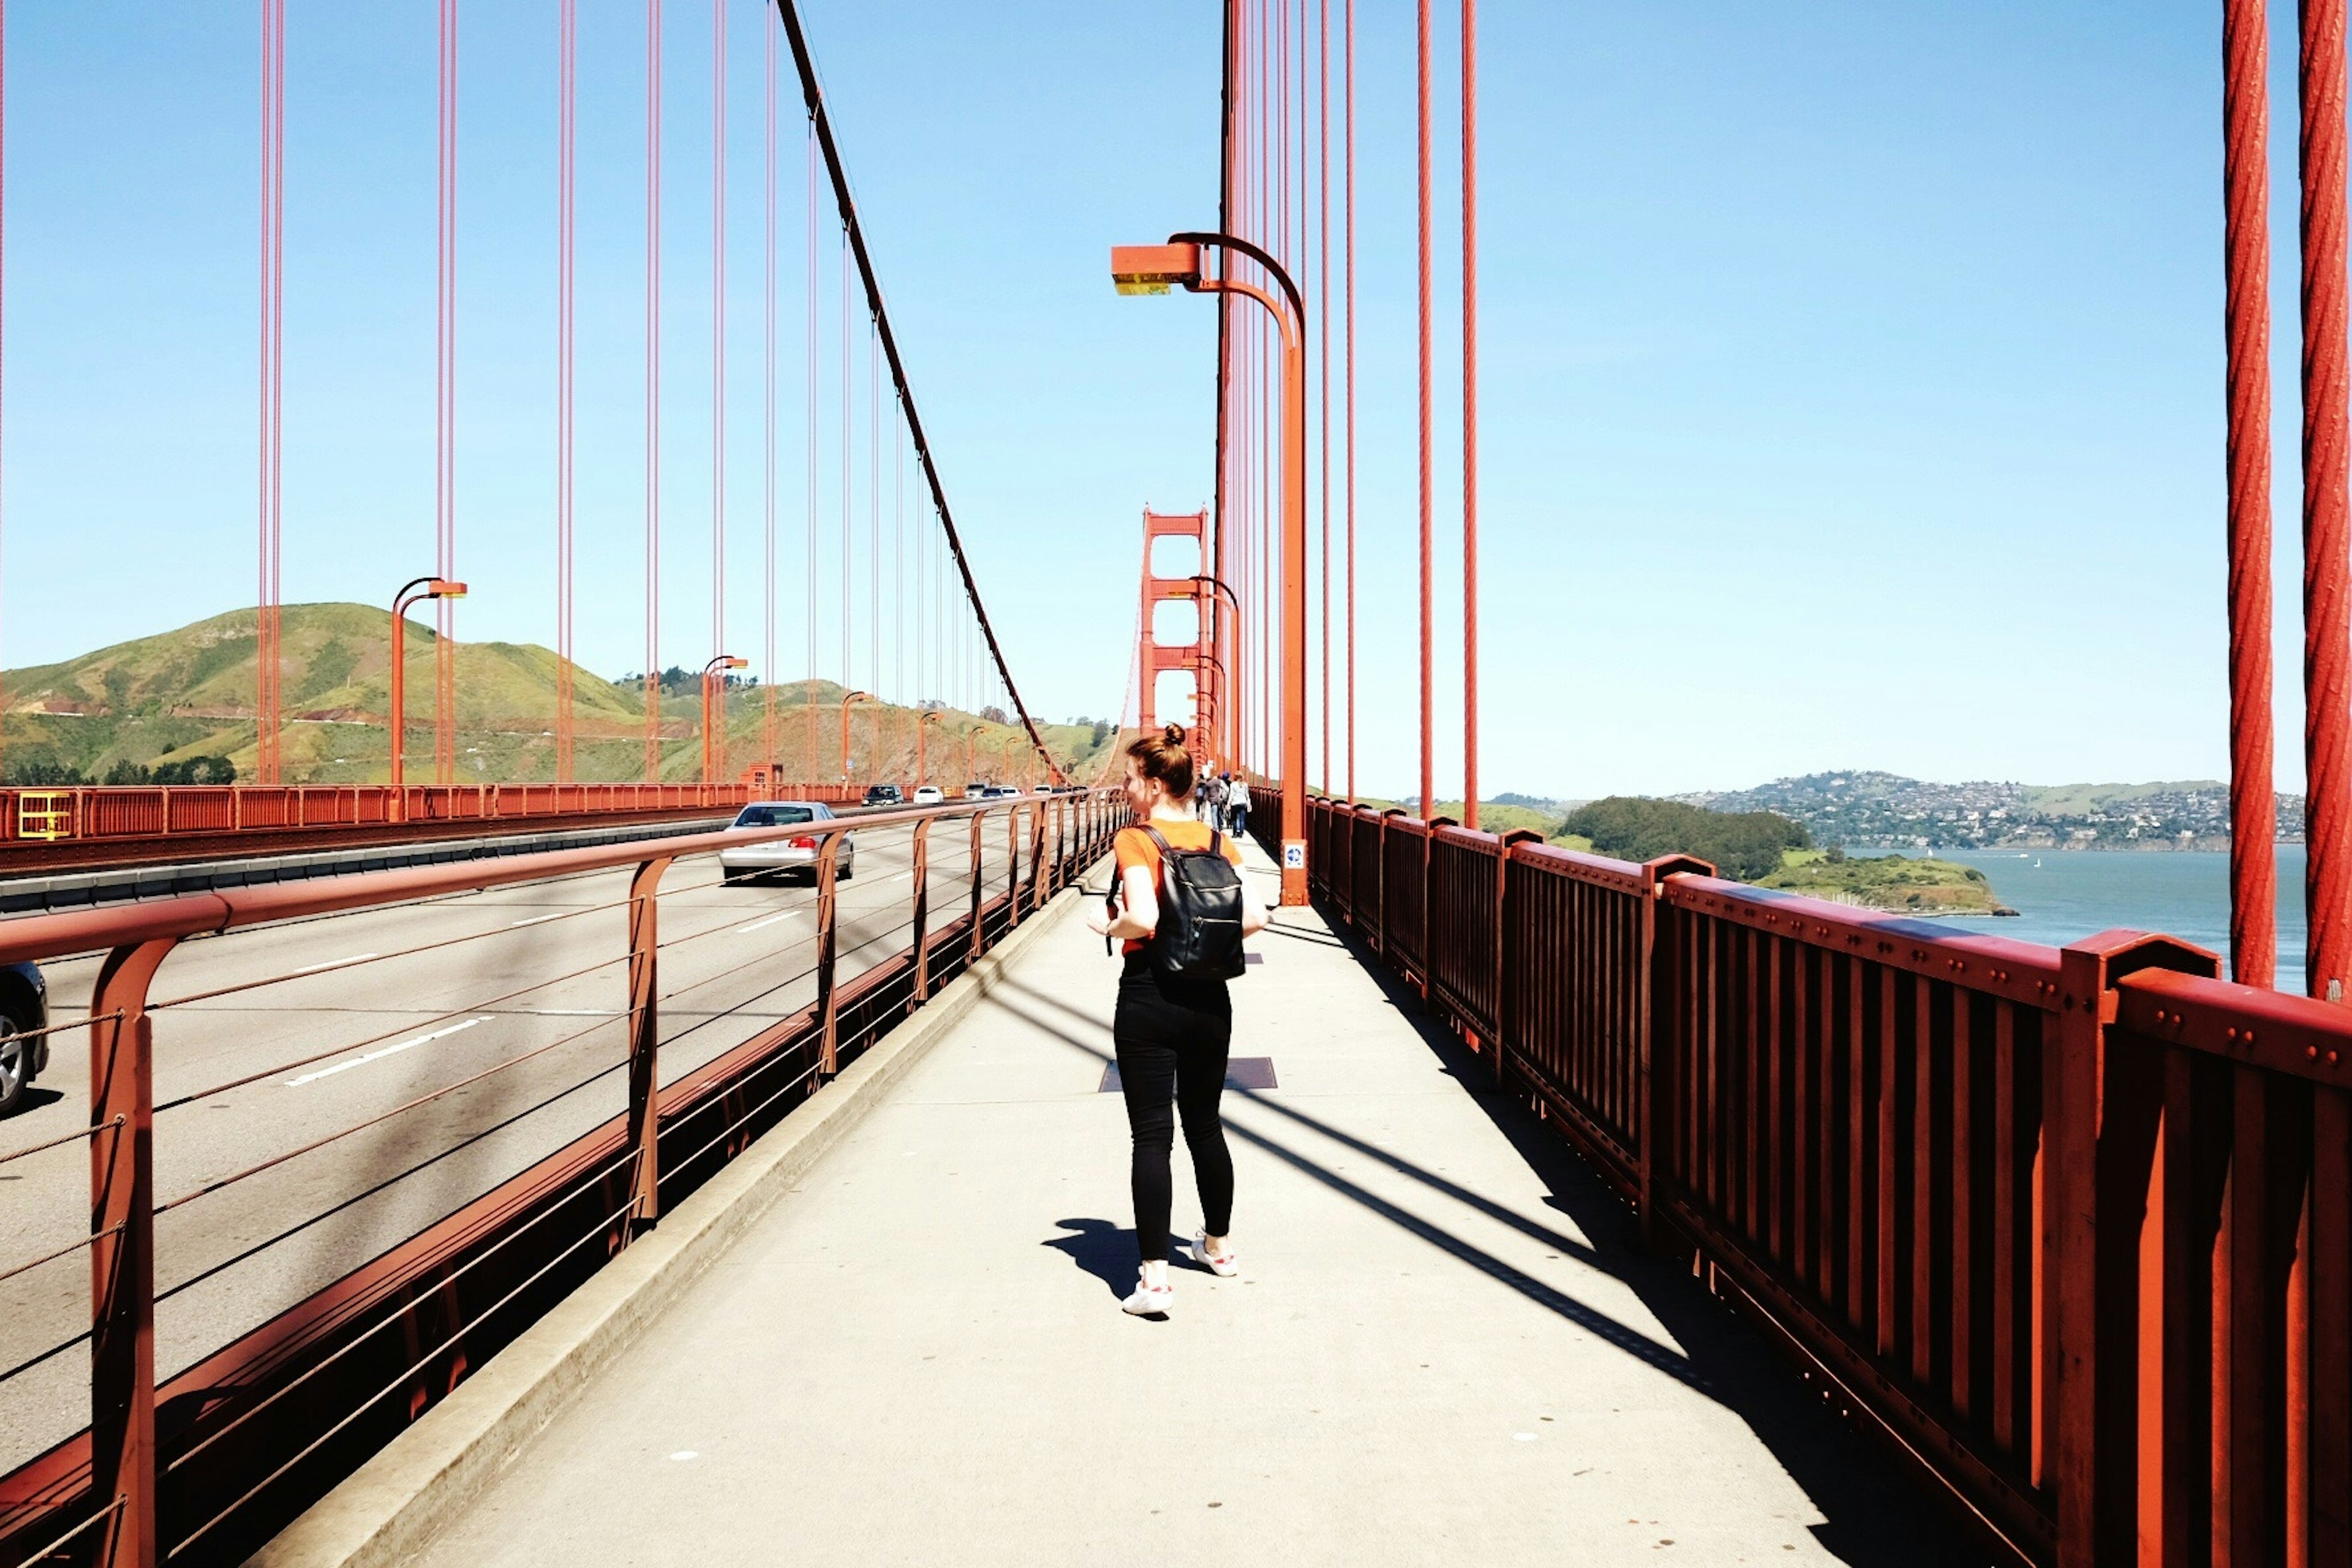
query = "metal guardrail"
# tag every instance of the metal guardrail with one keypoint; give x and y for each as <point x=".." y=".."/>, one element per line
<point x="2073" y="1226"/>
<point x="208" y="1464"/>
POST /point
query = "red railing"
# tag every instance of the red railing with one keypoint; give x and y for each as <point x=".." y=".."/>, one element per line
<point x="2073" y="1226"/>
<point x="154" y="812"/>
<point x="206" y="1462"/>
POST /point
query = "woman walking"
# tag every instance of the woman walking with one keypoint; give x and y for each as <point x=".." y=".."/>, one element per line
<point x="1171" y="1030"/>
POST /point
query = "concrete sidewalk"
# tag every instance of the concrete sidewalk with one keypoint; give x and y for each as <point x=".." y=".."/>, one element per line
<point x="1441" y="1349"/>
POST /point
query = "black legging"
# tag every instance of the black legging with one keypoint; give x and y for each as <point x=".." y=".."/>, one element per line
<point x="1171" y="1037"/>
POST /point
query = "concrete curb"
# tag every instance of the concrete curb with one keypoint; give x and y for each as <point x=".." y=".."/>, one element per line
<point x="392" y="1506"/>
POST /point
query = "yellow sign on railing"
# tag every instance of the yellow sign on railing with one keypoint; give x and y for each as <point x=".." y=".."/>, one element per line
<point x="44" y="814"/>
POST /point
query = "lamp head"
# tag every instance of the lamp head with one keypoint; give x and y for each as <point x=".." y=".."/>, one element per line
<point x="1153" y="268"/>
<point x="733" y="663"/>
<point x="441" y="588"/>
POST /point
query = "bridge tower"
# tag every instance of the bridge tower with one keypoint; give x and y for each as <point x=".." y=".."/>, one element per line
<point x="1197" y="656"/>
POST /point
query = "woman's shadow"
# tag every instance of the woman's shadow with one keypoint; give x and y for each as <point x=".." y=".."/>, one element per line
<point x="1104" y="1250"/>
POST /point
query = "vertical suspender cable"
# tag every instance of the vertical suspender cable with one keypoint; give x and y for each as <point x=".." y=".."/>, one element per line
<point x="808" y="698"/>
<point x="874" y="512"/>
<point x="268" y="654"/>
<point x="717" y="743"/>
<point x="1347" y="114"/>
<point x="1218" y="738"/>
<point x="848" y="423"/>
<point x="1470" y="414"/>
<point x="1323" y="303"/>
<point x="445" y="716"/>
<point x="1428" y="689"/>
<point x="653" y="390"/>
<point x="768" y="671"/>
<point x="567" y="86"/>
<point x="2326" y="613"/>
<point x="897" y="554"/>
<point x="4" y="160"/>
<point x="2253" y="822"/>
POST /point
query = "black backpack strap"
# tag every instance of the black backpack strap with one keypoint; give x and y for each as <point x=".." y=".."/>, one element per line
<point x="1166" y="849"/>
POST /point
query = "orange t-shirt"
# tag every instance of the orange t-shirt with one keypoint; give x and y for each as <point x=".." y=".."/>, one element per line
<point x="1133" y="847"/>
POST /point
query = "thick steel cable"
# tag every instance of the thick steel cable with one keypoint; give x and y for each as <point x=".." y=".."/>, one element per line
<point x="821" y="125"/>
<point x="66" y="1250"/>
<point x="2246" y="179"/>
<point x="233" y="1178"/>
<point x="1427" y="808"/>
<point x="604" y="1228"/>
<point x="2327" y="530"/>
<point x="566" y="161"/>
<point x="653" y="390"/>
<point x="4" y="207"/>
<point x="76" y="1136"/>
<point x="1348" y="177"/>
<point x="717" y="743"/>
<point x="54" y="1547"/>
<point x="445" y="499"/>
<point x="1469" y="415"/>
<point x="874" y="512"/>
<point x="849" y="488"/>
<point x="386" y="1183"/>
<point x="341" y="964"/>
<point x="259" y="1405"/>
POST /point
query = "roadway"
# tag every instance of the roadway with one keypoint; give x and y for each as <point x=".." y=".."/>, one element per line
<point x="270" y="1039"/>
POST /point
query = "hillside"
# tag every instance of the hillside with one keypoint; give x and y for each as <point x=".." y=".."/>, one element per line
<point x="1886" y="811"/>
<point x="190" y="693"/>
<point x="1891" y="882"/>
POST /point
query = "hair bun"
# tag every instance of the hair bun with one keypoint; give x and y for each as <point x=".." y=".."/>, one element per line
<point x="1174" y="734"/>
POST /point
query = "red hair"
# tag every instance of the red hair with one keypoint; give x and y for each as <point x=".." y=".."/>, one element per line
<point x="1163" y="757"/>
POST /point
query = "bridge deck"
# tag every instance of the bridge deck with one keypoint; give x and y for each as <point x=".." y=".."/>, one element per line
<point x="1444" y="1350"/>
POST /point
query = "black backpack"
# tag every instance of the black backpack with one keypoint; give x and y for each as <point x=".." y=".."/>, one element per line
<point x="1200" y="931"/>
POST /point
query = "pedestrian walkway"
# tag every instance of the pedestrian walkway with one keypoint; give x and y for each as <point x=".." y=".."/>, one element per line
<point x="1443" y="1350"/>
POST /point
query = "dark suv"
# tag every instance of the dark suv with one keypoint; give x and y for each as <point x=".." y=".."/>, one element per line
<point x="24" y="1009"/>
<point x="884" y="794"/>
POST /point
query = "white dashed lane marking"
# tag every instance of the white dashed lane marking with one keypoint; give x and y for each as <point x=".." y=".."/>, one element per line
<point x="392" y="1049"/>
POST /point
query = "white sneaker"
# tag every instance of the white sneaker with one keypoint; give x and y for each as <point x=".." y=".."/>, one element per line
<point x="1150" y="1300"/>
<point x="1224" y="1266"/>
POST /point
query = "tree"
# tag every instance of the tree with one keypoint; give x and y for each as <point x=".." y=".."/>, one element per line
<point x="1744" y="845"/>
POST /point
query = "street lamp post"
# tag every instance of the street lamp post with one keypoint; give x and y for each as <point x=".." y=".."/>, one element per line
<point x="847" y="700"/>
<point x="714" y="739"/>
<point x="410" y="593"/>
<point x="1153" y="269"/>
<point x="930" y="717"/>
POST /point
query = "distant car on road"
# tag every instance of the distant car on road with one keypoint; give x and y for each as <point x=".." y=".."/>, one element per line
<point x="884" y="794"/>
<point x="1002" y="792"/>
<point x="975" y="790"/>
<point x="24" y="1009"/>
<point x="928" y="794"/>
<point x="745" y="861"/>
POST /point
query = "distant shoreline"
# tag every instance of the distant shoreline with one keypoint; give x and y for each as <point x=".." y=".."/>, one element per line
<point x="2210" y="845"/>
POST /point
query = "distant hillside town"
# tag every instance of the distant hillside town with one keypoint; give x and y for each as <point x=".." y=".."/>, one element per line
<point x="1863" y="810"/>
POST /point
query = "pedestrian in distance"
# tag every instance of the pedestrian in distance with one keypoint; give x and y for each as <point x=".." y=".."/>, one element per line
<point x="1237" y="806"/>
<point x="1180" y="907"/>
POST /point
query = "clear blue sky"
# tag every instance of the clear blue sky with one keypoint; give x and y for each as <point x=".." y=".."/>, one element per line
<point x="1853" y="371"/>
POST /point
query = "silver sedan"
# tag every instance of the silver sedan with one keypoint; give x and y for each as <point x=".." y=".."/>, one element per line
<point x="773" y="856"/>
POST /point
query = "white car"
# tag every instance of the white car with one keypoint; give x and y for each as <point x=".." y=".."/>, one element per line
<point x="928" y="794"/>
<point x="772" y="855"/>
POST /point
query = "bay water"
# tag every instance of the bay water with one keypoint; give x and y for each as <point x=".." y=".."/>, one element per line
<point x="2062" y="895"/>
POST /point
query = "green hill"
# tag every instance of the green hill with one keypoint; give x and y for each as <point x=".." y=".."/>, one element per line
<point x="190" y="692"/>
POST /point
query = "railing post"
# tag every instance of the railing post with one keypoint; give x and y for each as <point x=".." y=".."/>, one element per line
<point x="645" y="1039"/>
<point x="922" y="874"/>
<point x="1011" y="867"/>
<point x="2089" y="1406"/>
<point x="828" y="945"/>
<point x="1499" y="972"/>
<point x="978" y="946"/>
<point x="1040" y="881"/>
<point x="122" y="1253"/>
<point x="1658" y="1086"/>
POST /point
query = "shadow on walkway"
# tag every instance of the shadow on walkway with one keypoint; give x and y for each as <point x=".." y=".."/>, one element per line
<point x="1874" y="1515"/>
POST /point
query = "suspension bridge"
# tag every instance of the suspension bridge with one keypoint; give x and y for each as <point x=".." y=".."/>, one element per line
<point x="485" y="1171"/>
